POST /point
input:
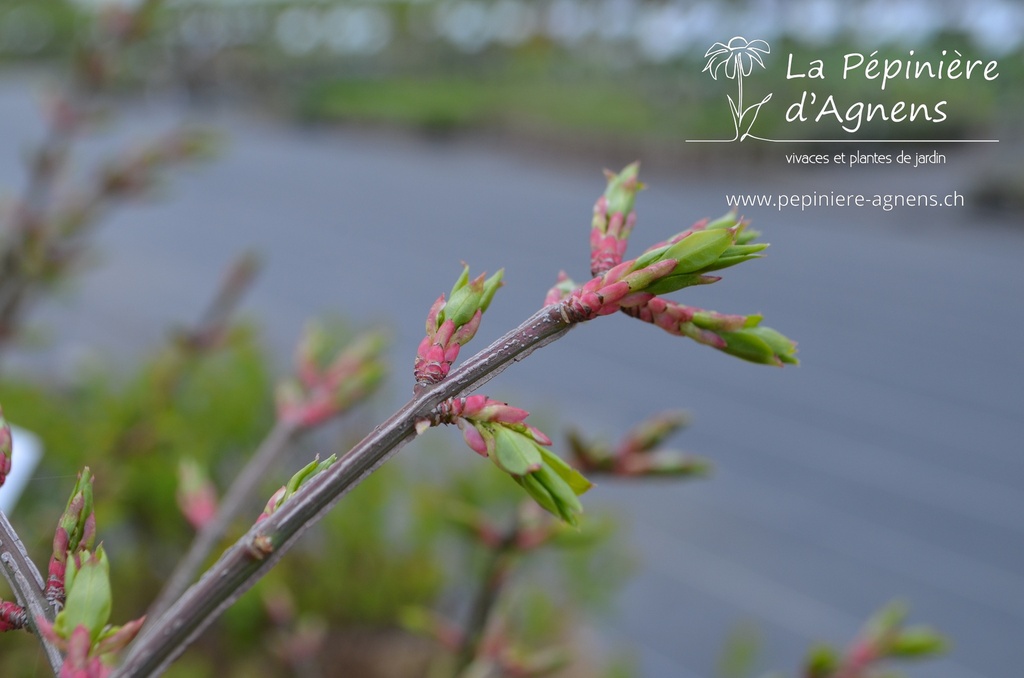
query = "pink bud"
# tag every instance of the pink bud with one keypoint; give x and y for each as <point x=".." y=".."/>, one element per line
<point x="12" y="616"/>
<point x="473" y="438"/>
<point x="272" y="504"/>
<point x="121" y="637"/>
<point x="502" y="413"/>
<point x="610" y="294"/>
<point x="444" y="333"/>
<point x="470" y="406"/>
<point x="5" y="449"/>
<point x="538" y="436"/>
<point x="196" y="495"/>
<point x="432" y="316"/>
<point x="78" y="663"/>
<point x="560" y="290"/>
<point x="463" y="334"/>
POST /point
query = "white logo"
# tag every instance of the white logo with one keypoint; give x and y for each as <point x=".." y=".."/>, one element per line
<point x="736" y="60"/>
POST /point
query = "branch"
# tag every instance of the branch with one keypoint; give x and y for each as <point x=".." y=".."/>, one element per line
<point x="27" y="583"/>
<point x="491" y="584"/>
<point x="29" y="214"/>
<point x="242" y="565"/>
<point x="202" y="546"/>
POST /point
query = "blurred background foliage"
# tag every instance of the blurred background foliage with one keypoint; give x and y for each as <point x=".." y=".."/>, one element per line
<point x="583" y="72"/>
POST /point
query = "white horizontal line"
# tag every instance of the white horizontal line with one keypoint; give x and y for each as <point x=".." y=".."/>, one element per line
<point x="851" y="141"/>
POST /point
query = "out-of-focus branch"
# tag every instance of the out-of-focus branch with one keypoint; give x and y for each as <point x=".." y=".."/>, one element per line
<point x="27" y="583"/>
<point x="44" y="233"/>
<point x="278" y="440"/>
<point x="324" y="390"/>
<point x="492" y="582"/>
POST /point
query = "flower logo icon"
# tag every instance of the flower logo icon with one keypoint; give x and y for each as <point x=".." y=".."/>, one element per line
<point x="736" y="60"/>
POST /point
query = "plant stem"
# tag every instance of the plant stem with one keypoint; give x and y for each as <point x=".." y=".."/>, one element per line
<point x="27" y="583"/>
<point x="213" y="321"/>
<point x="276" y="442"/>
<point x="243" y="564"/>
<point x="739" y="94"/>
<point x="491" y="585"/>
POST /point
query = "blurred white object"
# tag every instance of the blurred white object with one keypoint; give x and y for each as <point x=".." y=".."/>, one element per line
<point x="26" y="450"/>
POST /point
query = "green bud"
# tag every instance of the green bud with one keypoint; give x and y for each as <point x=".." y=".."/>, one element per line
<point x="736" y="250"/>
<point x="887" y="620"/>
<point x="75" y="519"/>
<point x="727" y="220"/>
<point x="515" y="453"/>
<point x="671" y="463"/>
<point x="709" y="320"/>
<point x="620" y="194"/>
<point x="461" y="281"/>
<point x="822" y="661"/>
<point x="562" y="494"/>
<point x="699" y="250"/>
<point x="653" y="431"/>
<point x="649" y="257"/>
<point x="671" y="283"/>
<point x="469" y="296"/>
<point x="314" y="344"/>
<point x="761" y="345"/>
<point x="552" y="493"/>
<point x="726" y="262"/>
<point x="308" y="472"/>
<point x="491" y="286"/>
<point x="918" y="642"/>
<point x="573" y="478"/>
<point x="463" y="304"/>
<point x="88" y="595"/>
<point x="747" y="235"/>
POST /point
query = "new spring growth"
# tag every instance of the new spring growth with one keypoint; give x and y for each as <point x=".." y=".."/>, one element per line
<point x="329" y="382"/>
<point x="738" y="335"/>
<point x="613" y="219"/>
<point x="682" y="261"/>
<point x="5" y="448"/>
<point x="498" y="431"/>
<point x="196" y="495"/>
<point x="81" y="629"/>
<point x="884" y="638"/>
<point x="701" y="249"/>
<point x="452" y="323"/>
<point x="303" y="476"/>
<point x="76" y="532"/>
<point x="639" y="452"/>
